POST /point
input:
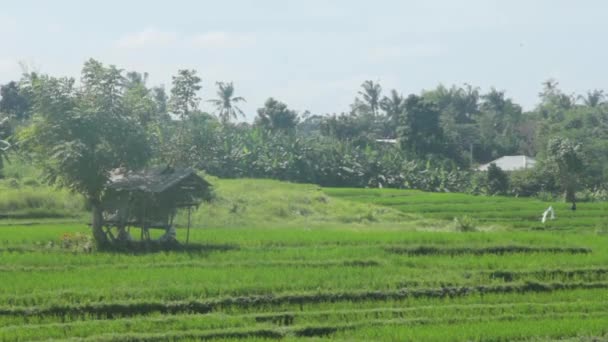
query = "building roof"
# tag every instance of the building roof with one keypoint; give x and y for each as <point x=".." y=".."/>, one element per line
<point x="153" y="180"/>
<point x="510" y="163"/>
<point x="388" y="141"/>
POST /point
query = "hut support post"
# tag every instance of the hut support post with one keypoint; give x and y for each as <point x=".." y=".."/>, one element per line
<point x="188" y="229"/>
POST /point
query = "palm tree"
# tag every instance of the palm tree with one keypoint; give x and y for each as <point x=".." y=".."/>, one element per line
<point x="393" y="105"/>
<point x="371" y="95"/>
<point x="494" y="100"/>
<point x="593" y="98"/>
<point x="226" y="102"/>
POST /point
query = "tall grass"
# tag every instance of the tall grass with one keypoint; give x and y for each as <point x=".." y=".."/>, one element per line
<point x="39" y="202"/>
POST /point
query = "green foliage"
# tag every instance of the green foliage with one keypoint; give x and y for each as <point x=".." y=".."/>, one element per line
<point x="440" y="134"/>
<point x="5" y="146"/>
<point x="263" y="203"/>
<point x="226" y="102"/>
<point x="78" y="135"/>
<point x="497" y="180"/>
<point x="357" y="130"/>
<point x="294" y="261"/>
<point x="490" y="212"/>
<point x="567" y="159"/>
<point x="465" y="224"/>
<point x="77" y="242"/>
<point x="533" y="181"/>
<point x="436" y="177"/>
<point x="420" y="132"/>
<point x="275" y="117"/>
<point x="34" y="202"/>
<point x="372" y="97"/>
<point x="14" y="101"/>
<point x="184" y="99"/>
<point x="362" y="281"/>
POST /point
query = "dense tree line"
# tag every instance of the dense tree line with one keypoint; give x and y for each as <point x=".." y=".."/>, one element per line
<point x="79" y="131"/>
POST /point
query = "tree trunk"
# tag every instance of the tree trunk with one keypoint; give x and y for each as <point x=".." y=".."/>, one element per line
<point x="97" y="225"/>
<point x="570" y="195"/>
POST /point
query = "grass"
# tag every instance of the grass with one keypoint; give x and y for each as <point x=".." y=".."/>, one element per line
<point x="240" y="203"/>
<point x="296" y="262"/>
<point x="338" y="283"/>
<point x="488" y="211"/>
<point x="246" y="203"/>
<point x="23" y="197"/>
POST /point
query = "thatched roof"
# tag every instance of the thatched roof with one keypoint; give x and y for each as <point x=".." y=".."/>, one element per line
<point x="153" y="180"/>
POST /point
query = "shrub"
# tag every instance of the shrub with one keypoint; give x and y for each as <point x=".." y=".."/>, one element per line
<point x="531" y="182"/>
<point x="478" y="183"/>
<point x="31" y="182"/>
<point x="465" y="224"/>
<point x="592" y="195"/>
<point x="497" y="180"/>
<point x="78" y="242"/>
<point x="12" y="183"/>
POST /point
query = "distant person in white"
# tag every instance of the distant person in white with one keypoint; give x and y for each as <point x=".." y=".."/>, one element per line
<point x="549" y="210"/>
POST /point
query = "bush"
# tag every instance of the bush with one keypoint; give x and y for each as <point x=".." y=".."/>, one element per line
<point x="478" y="183"/>
<point x="592" y="195"/>
<point x="78" y="242"/>
<point x="31" y="182"/>
<point x="531" y="182"/>
<point x="12" y="183"/>
<point x="465" y="224"/>
<point x="498" y="180"/>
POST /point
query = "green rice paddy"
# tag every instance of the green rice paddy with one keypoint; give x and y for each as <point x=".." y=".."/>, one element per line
<point x="281" y="262"/>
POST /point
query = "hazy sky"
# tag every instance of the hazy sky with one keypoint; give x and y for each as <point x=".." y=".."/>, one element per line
<point x="314" y="54"/>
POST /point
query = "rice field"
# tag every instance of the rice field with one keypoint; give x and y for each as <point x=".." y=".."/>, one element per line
<point x="401" y="273"/>
<point x="518" y="213"/>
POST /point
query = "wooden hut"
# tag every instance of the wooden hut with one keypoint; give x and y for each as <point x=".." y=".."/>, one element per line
<point x="150" y="199"/>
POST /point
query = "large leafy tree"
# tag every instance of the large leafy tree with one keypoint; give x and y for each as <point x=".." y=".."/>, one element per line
<point x="162" y="102"/>
<point x="554" y="103"/>
<point x="226" y="103"/>
<point x="499" y="122"/>
<point x="140" y="101"/>
<point x="497" y="180"/>
<point x="14" y="102"/>
<point x="420" y="131"/>
<point x="566" y="158"/>
<point x="459" y="103"/>
<point x="459" y="110"/>
<point x="184" y="93"/>
<point x="343" y="127"/>
<point x="80" y="134"/>
<point x="184" y="103"/>
<point x="276" y="117"/>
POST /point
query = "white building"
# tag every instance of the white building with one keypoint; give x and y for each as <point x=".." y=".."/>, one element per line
<point x="510" y="163"/>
